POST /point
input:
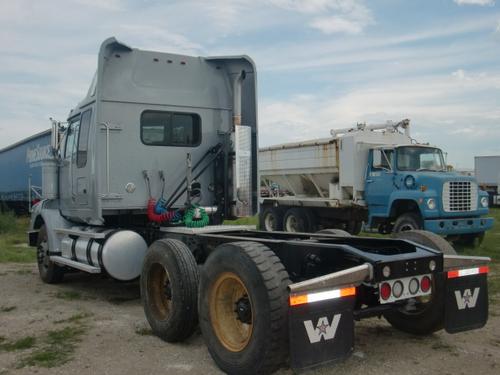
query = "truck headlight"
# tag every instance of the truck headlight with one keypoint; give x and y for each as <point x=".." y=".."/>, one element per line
<point x="484" y="202"/>
<point x="431" y="204"/>
<point x="409" y="181"/>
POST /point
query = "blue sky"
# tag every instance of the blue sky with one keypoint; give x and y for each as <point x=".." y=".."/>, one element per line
<point x="321" y="64"/>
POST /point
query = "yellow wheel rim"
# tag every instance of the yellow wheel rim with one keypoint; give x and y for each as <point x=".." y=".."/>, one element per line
<point x="231" y="312"/>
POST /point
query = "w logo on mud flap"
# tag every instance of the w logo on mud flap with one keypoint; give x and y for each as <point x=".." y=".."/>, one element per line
<point x="323" y="329"/>
<point x="468" y="299"/>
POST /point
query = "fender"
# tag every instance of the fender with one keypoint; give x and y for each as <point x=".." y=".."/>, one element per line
<point x="48" y="210"/>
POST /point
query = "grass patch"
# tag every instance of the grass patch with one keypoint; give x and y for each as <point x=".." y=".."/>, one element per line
<point x="21" y="344"/>
<point x="57" y="349"/>
<point x="69" y="295"/>
<point x="7" y="308"/>
<point x="144" y="331"/>
<point x="13" y="232"/>
<point x="253" y="220"/>
<point x="76" y="318"/>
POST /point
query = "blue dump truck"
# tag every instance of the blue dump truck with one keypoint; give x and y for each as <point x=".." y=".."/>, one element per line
<point x="376" y="174"/>
<point x="21" y="173"/>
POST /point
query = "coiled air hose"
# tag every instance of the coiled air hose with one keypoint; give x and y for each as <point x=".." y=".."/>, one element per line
<point x="190" y="219"/>
<point x="159" y="218"/>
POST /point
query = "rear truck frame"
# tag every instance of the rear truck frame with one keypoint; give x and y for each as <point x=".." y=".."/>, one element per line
<point x="153" y="161"/>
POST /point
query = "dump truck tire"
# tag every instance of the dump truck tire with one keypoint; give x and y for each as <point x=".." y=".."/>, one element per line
<point x="299" y="220"/>
<point x="243" y="307"/>
<point x="169" y="290"/>
<point x="470" y="240"/>
<point x="354" y="227"/>
<point x="429" y="317"/>
<point x="406" y="222"/>
<point x="271" y="219"/>
<point x="50" y="272"/>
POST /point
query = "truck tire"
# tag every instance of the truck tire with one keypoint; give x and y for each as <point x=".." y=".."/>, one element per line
<point x="271" y="219"/>
<point x="428" y="315"/>
<point x="299" y="220"/>
<point x="243" y="308"/>
<point x="50" y="272"/>
<point x="169" y="290"/>
<point x="354" y="227"/>
<point x="406" y="222"/>
<point x="470" y="240"/>
<point x="335" y="232"/>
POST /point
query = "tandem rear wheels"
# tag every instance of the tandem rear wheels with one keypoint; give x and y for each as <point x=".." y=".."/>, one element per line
<point x="240" y="298"/>
<point x="169" y="290"/>
<point x="422" y="315"/>
<point x="243" y="307"/>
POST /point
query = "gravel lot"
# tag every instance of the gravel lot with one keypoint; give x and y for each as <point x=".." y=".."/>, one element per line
<point x="91" y="325"/>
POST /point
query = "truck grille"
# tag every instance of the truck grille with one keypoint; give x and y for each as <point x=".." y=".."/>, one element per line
<point x="459" y="196"/>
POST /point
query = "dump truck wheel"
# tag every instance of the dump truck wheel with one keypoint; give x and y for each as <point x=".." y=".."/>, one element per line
<point x="169" y="290"/>
<point x="335" y="232"/>
<point x="271" y="219"/>
<point x="423" y="315"/>
<point x="354" y="227"/>
<point x="50" y="272"/>
<point x="470" y="240"/>
<point x="243" y="308"/>
<point x="406" y="222"/>
<point x="299" y="220"/>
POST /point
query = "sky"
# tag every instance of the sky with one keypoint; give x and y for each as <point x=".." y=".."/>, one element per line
<point x="322" y="64"/>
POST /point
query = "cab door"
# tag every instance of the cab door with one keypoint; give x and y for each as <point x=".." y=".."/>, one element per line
<point x="80" y="167"/>
<point x="379" y="179"/>
<point x="68" y="156"/>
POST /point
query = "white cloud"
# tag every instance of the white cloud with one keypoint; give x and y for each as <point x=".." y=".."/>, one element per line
<point x="475" y="2"/>
<point x="337" y="24"/>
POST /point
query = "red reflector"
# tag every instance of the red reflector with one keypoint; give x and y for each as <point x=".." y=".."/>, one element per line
<point x="385" y="291"/>
<point x="425" y="284"/>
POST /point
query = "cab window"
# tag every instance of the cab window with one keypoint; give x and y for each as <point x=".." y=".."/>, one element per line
<point x="382" y="159"/>
<point x="71" y="136"/>
<point x="83" y="139"/>
<point x="159" y="128"/>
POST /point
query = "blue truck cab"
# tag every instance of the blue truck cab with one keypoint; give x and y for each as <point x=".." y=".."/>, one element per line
<point x="410" y="187"/>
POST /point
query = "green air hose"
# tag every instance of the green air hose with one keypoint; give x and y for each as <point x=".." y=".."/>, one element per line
<point x="189" y="217"/>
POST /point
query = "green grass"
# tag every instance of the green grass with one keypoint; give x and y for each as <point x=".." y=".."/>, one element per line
<point x="12" y="234"/>
<point x="253" y="220"/>
<point x="20" y="344"/>
<point x="57" y="348"/>
<point x="76" y="318"/>
<point x="7" y="308"/>
<point x="144" y="331"/>
<point x="69" y="295"/>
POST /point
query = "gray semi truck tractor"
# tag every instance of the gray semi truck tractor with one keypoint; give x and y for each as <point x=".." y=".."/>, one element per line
<point x="162" y="149"/>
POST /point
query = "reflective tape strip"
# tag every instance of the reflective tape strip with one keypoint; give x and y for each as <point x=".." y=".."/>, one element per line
<point x="301" y="299"/>
<point x="467" y="272"/>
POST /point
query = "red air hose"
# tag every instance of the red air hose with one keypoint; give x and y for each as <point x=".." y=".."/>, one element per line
<point x="158" y="218"/>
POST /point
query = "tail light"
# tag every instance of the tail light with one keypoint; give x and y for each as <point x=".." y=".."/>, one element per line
<point x="385" y="291"/>
<point x="425" y="284"/>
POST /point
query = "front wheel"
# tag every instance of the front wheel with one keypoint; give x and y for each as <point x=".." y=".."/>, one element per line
<point x="50" y="272"/>
<point x="406" y="222"/>
<point x="243" y="308"/>
<point x="423" y="315"/>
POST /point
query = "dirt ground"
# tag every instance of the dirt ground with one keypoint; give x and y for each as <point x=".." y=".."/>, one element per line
<point x="99" y="327"/>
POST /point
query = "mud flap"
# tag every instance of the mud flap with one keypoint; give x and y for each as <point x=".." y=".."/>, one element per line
<point x="321" y="332"/>
<point x="466" y="305"/>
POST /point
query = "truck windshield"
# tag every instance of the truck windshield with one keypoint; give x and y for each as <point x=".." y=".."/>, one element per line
<point x="413" y="158"/>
